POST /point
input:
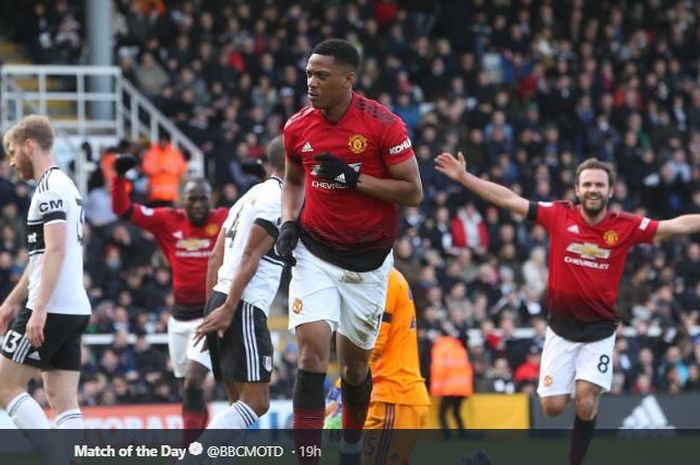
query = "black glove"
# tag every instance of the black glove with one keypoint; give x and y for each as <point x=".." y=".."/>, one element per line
<point x="287" y="241"/>
<point x="124" y="163"/>
<point x="332" y="168"/>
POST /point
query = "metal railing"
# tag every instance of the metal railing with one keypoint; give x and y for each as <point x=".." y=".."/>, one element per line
<point x="23" y="106"/>
<point x="130" y="114"/>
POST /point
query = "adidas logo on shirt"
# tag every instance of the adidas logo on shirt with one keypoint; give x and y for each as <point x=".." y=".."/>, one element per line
<point x="573" y="229"/>
<point x="340" y="178"/>
<point x="307" y="147"/>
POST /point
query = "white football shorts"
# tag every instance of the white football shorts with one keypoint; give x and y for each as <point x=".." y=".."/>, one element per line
<point x="564" y="362"/>
<point x="351" y="302"/>
<point x="181" y="346"/>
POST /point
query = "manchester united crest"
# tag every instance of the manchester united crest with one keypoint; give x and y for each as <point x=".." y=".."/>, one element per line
<point x="212" y="229"/>
<point x="547" y="381"/>
<point x="297" y="306"/>
<point x="611" y="237"/>
<point x="357" y="143"/>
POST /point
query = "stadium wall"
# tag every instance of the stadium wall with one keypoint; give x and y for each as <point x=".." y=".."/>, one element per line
<point x="653" y="411"/>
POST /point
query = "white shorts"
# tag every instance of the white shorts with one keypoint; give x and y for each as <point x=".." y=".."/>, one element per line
<point x="564" y="362"/>
<point x="181" y="346"/>
<point x="352" y="303"/>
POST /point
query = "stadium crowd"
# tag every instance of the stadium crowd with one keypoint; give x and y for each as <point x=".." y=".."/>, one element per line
<point x="524" y="89"/>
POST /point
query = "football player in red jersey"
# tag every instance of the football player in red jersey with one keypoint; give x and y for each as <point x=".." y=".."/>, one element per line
<point x="349" y="163"/>
<point x="587" y="254"/>
<point x="186" y="236"/>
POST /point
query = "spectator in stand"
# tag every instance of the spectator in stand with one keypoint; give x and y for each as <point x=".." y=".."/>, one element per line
<point x="150" y="76"/>
<point x="468" y="230"/>
<point x="165" y="167"/>
<point x="535" y="270"/>
<point x="527" y="373"/>
<point x="499" y="377"/>
<point x="451" y="379"/>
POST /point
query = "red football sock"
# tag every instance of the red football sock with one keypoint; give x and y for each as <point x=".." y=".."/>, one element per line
<point x="308" y="431"/>
<point x="309" y="412"/>
<point x="355" y="405"/>
<point x="193" y="423"/>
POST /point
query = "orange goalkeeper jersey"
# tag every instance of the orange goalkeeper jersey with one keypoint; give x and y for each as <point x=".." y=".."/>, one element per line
<point x="394" y="360"/>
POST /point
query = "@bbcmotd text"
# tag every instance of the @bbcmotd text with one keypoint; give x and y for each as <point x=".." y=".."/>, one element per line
<point x="244" y="451"/>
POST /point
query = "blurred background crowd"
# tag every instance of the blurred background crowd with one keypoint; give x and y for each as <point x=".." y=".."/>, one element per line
<point x="525" y="88"/>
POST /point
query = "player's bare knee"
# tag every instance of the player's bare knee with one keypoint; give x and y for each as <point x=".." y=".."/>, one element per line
<point x="586" y="407"/>
<point x="8" y="389"/>
<point x="7" y="393"/>
<point x="256" y="396"/>
<point x="552" y="410"/>
<point x="193" y="382"/>
<point x="553" y="407"/>
<point x="195" y="375"/>
<point x="312" y="360"/>
<point x="259" y="404"/>
<point x="51" y="394"/>
<point x="232" y="392"/>
<point x="354" y="373"/>
<point x="62" y="402"/>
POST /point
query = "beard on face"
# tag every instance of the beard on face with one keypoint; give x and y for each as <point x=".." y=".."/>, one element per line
<point x="24" y="170"/>
<point x="602" y="205"/>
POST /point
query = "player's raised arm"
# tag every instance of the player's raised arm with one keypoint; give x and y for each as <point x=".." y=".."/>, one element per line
<point x="121" y="204"/>
<point x="684" y="224"/>
<point x="455" y="169"/>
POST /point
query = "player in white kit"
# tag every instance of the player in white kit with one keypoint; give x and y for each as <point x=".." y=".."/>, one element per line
<point x="235" y="322"/>
<point x="45" y="334"/>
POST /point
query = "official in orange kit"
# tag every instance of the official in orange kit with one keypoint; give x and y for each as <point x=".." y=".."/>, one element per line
<point x="400" y="398"/>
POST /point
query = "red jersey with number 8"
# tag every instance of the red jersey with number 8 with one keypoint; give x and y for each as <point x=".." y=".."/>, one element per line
<point x="342" y="225"/>
<point x="586" y="263"/>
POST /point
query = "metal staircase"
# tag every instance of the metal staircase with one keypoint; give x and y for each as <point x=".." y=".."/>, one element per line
<point x="62" y="93"/>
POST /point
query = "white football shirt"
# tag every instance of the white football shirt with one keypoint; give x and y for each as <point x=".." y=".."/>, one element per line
<point x="56" y="199"/>
<point x="261" y="205"/>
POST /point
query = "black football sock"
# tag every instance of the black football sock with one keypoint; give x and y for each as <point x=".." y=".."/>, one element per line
<point x="580" y="439"/>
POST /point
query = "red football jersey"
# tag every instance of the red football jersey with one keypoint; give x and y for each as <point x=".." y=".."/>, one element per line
<point x="342" y="225"/>
<point x="586" y="261"/>
<point x="187" y="249"/>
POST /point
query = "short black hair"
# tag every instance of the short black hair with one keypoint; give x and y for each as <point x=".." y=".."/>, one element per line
<point x="198" y="182"/>
<point x="341" y="50"/>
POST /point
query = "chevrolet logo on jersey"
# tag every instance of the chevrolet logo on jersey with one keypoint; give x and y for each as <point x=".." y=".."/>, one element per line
<point x="192" y="244"/>
<point x="589" y="255"/>
<point x="588" y="250"/>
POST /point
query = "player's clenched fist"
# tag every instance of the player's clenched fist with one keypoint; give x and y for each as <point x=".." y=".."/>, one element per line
<point x="332" y="168"/>
<point x="124" y="163"/>
<point x="287" y="241"/>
